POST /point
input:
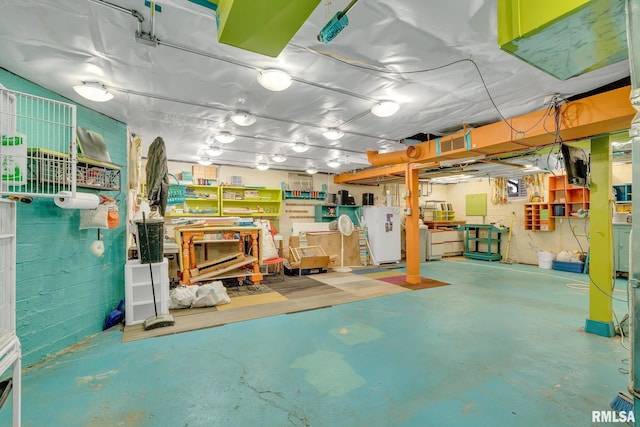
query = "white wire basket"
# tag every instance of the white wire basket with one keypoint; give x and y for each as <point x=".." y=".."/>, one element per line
<point x="38" y="154"/>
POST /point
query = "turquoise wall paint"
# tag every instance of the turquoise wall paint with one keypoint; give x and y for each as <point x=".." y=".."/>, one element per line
<point x="63" y="291"/>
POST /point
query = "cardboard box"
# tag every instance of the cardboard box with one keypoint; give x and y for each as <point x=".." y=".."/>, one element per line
<point x="205" y="173"/>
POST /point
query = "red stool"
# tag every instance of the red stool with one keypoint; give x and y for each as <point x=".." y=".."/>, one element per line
<point x="277" y="262"/>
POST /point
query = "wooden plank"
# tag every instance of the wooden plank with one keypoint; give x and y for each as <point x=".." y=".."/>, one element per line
<point x="220" y="259"/>
<point x="200" y="271"/>
<point x="246" y="261"/>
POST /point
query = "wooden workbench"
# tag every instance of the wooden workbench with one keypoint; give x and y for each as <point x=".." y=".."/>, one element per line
<point x="444" y="224"/>
<point x="228" y="237"/>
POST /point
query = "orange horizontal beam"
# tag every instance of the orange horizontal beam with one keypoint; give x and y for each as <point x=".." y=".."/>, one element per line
<point x="595" y="115"/>
<point x="348" y="177"/>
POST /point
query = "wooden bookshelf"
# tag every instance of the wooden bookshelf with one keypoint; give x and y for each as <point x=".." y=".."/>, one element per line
<point x="565" y="198"/>
<point x="537" y="217"/>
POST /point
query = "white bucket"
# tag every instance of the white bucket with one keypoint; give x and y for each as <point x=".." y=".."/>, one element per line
<point x="545" y="260"/>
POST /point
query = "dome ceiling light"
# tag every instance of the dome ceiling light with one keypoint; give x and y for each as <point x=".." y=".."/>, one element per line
<point x="333" y="163"/>
<point x="274" y="80"/>
<point x="300" y="147"/>
<point x="93" y="91"/>
<point x="333" y="134"/>
<point x="279" y="158"/>
<point x="262" y="166"/>
<point x="242" y="118"/>
<point x="225" y="138"/>
<point x="214" y="151"/>
<point x="385" y="108"/>
<point x="311" y="170"/>
<point x="205" y="161"/>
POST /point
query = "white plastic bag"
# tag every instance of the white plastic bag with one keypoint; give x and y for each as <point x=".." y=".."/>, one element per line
<point x="182" y="296"/>
<point x="94" y="218"/>
<point x="217" y="292"/>
<point x="268" y="246"/>
<point x="204" y="298"/>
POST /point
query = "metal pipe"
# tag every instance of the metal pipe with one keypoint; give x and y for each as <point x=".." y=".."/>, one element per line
<point x="131" y="12"/>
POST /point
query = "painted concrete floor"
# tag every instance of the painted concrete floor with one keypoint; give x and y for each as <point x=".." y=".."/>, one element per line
<point x="502" y="346"/>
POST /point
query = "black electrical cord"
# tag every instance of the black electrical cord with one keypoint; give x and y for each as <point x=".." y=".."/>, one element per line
<point x="426" y="70"/>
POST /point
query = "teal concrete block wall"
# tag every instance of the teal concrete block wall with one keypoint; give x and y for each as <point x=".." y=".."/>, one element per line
<point x="63" y="291"/>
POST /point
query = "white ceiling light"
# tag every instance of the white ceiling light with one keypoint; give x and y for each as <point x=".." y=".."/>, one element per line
<point x="225" y="138"/>
<point x="311" y="170"/>
<point x="385" y="108"/>
<point x="262" y="166"/>
<point x="333" y="134"/>
<point x="214" y="151"/>
<point x="93" y="91"/>
<point x="242" y="118"/>
<point x="333" y="163"/>
<point x="300" y="147"/>
<point x="205" y="161"/>
<point x="279" y="158"/>
<point x="274" y="80"/>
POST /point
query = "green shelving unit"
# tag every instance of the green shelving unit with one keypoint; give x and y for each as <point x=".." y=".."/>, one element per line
<point x="250" y="201"/>
<point x="304" y="194"/>
<point x="622" y="193"/>
<point x="328" y="213"/>
<point x="482" y="241"/>
<point x="200" y="201"/>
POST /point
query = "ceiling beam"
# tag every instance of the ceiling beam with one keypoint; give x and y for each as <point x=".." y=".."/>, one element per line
<point x="595" y="115"/>
<point x="370" y="174"/>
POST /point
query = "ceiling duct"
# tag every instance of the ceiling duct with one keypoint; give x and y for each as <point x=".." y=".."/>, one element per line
<point x="553" y="38"/>
<point x="260" y="26"/>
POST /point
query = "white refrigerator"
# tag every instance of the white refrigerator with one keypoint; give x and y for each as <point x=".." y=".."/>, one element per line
<point x="383" y="225"/>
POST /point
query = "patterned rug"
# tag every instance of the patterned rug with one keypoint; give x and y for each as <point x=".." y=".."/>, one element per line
<point x="399" y="278"/>
<point x="294" y="294"/>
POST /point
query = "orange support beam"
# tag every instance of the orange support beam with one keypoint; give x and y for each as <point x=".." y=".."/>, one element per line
<point x="396" y="171"/>
<point x="412" y="225"/>
<point x="594" y="115"/>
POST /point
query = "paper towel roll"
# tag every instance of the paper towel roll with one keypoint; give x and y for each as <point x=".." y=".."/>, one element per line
<point x="80" y="201"/>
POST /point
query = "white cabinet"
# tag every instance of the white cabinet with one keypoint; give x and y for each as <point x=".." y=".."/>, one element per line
<point x="442" y="243"/>
<point x="621" y="234"/>
<point x="138" y="293"/>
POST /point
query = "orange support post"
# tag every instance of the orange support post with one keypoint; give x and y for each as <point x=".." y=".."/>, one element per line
<point x="412" y="226"/>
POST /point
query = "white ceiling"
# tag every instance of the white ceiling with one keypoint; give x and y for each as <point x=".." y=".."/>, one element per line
<point x="185" y="88"/>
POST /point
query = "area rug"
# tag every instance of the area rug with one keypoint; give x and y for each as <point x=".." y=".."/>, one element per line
<point x="293" y="295"/>
<point x="249" y="300"/>
<point x="302" y="287"/>
<point x="399" y="278"/>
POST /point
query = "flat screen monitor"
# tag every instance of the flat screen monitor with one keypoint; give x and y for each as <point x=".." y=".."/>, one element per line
<point x="576" y="164"/>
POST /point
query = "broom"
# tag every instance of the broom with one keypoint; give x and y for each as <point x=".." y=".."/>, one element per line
<point x="506" y="259"/>
<point x="622" y="403"/>
<point x="156" y="321"/>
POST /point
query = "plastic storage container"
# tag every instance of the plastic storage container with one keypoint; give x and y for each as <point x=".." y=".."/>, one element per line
<point x="574" y="267"/>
